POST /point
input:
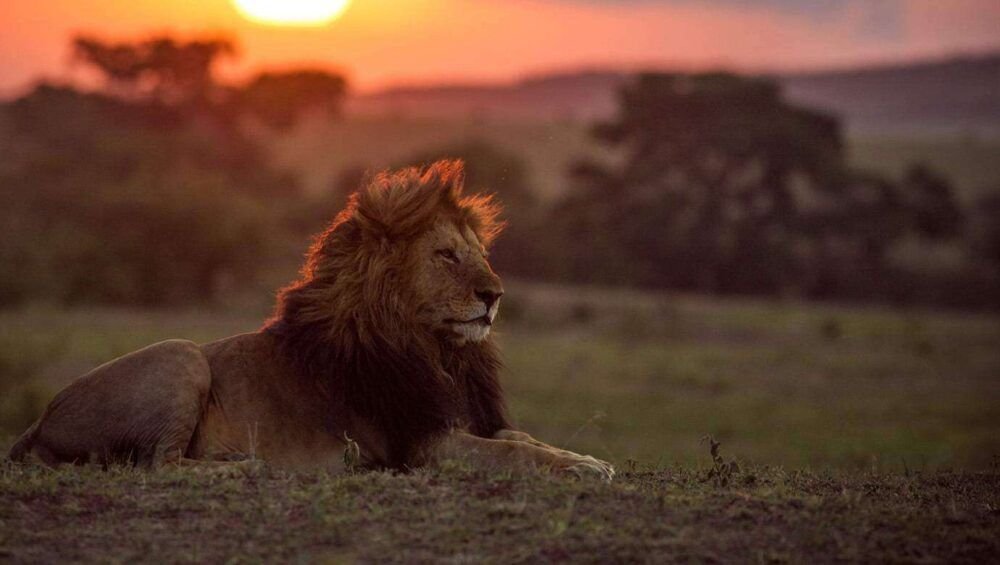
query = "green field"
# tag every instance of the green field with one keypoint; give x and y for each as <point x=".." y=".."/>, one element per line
<point x="320" y="151"/>
<point x="860" y="433"/>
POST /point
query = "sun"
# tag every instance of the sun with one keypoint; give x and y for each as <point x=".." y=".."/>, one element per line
<point x="292" y="12"/>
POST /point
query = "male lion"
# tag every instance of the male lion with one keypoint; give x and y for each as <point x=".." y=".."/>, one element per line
<point x="384" y="339"/>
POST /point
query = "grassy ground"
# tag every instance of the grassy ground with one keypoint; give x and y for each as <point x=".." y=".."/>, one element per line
<point x="645" y="377"/>
<point x="673" y="515"/>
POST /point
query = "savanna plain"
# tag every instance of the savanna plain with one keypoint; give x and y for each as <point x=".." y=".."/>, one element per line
<point x="742" y="430"/>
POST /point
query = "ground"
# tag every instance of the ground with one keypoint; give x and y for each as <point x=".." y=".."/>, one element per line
<point x="861" y="433"/>
<point x="669" y="515"/>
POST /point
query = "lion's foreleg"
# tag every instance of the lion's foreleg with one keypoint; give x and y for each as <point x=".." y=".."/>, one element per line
<point x="514" y="435"/>
<point x="505" y="454"/>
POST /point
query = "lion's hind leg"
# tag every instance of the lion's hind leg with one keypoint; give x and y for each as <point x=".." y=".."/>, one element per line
<point x="142" y="408"/>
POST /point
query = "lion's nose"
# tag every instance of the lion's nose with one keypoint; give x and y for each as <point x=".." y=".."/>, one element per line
<point x="489" y="296"/>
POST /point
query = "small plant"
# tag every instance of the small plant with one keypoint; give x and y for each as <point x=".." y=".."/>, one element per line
<point x="722" y="472"/>
<point x="352" y="454"/>
<point x="631" y="466"/>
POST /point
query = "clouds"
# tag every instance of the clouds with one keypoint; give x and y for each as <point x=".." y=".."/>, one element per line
<point x="808" y="8"/>
<point x="900" y="26"/>
<point x="871" y="18"/>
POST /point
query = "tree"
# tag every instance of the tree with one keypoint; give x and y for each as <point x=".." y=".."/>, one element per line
<point x="279" y="99"/>
<point x="931" y="199"/>
<point x="723" y="186"/>
<point x="985" y="232"/>
<point x="706" y="196"/>
<point x="161" y="68"/>
<point x="181" y="74"/>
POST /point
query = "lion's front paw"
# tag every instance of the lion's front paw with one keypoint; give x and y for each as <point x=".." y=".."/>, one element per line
<point x="585" y="466"/>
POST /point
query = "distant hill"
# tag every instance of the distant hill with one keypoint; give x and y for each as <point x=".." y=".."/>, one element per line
<point x="956" y="94"/>
<point x="959" y="94"/>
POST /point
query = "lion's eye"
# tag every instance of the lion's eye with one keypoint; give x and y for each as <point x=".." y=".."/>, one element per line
<point x="448" y="254"/>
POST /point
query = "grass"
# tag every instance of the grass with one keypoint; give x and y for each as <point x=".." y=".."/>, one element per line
<point x="646" y="376"/>
<point x="764" y="514"/>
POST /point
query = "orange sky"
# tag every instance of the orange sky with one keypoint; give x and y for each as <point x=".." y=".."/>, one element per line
<point x="381" y="42"/>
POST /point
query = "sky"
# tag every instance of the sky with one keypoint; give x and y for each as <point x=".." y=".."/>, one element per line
<point x="390" y="42"/>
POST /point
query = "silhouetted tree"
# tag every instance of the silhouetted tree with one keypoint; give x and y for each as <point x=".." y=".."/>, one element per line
<point x="706" y="196"/>
<point x="985" y="232"/>
<point x="932" y="203"/>
<point x="279" y="99"/>
<point x="180" y="74"/>
<point x="724" y="186"/>
<point x="171" y="71"/>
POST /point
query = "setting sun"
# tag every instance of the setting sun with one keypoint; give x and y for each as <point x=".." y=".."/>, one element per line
<point x="292" y="12"/>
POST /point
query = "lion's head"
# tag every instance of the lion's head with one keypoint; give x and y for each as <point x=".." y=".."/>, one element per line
<point x="447" y="283"/>
<point x="456" y="293"/>
<point x="409" y="251"/>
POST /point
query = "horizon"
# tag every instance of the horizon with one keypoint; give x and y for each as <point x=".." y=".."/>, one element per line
<point x="414" y="45"/>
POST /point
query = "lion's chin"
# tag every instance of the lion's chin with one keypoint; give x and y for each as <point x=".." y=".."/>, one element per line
<point x="470" y="332"/>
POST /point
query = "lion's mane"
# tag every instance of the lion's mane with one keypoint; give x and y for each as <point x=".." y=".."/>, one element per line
<point x="348" y="321"/>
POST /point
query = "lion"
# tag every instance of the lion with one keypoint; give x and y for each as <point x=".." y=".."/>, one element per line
<point x="383" y="344"/>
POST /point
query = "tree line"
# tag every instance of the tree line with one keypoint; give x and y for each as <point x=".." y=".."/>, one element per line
<point x="155" y="189"/>
<point x="719" y="185"/>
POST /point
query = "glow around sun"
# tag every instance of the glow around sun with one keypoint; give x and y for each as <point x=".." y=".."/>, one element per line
<point x="292" y="12"/>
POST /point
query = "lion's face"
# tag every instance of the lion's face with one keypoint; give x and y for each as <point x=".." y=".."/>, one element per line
<point x="457" y="292"/>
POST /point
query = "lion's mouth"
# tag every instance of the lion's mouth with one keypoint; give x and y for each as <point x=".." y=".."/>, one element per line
<point x="484" y="319"/>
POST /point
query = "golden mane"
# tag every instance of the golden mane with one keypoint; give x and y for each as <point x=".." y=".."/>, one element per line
<point x="349" y="323"/>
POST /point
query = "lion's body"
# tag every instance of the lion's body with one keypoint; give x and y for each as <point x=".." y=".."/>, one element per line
<point x="384" y="340"/>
